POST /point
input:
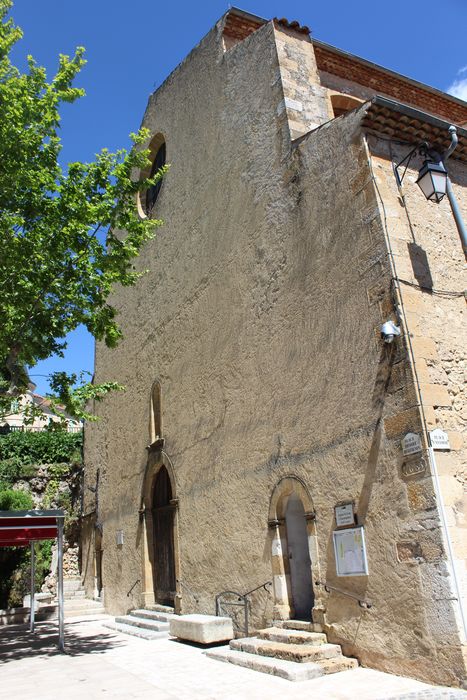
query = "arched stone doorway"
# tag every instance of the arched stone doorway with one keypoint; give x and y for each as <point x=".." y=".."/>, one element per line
<point x="293" y="549"/>
<point x="163" y="519"/>
<point x="160" y="561"/>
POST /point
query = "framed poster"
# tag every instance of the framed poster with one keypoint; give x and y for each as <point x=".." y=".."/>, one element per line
<point x="350" y="552"/>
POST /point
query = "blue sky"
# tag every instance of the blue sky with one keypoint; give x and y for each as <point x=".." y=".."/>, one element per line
<point x="131" y="47"/>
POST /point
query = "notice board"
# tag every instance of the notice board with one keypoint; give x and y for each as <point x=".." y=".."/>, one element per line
<point x="350" y="552"/>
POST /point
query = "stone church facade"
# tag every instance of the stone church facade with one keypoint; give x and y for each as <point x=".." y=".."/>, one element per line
<point x="260" y="396"/>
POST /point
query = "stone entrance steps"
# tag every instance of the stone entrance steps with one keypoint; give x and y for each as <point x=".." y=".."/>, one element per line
<point x="75" y="601"/>
<point x="293" y="650"/>
<point x="148" y="623"/>
<point x="75" y="607"/>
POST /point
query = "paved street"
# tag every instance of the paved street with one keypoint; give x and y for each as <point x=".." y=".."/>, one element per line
<point x="102" y="664"/>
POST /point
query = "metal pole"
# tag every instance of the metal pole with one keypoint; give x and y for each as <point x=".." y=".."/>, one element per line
<point x="61" y="636"/>
<point x="456" y="212"/>
<point x="247" y="625"/>
<point x="33" y="576"/>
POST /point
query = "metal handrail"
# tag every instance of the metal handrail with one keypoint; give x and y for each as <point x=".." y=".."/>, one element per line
<point x="187" y="588"/>
<point x="263" y="585"/>
<point x="138" y="580"/>
<point x="361" y="601"/>
<point x="242" y="601"/>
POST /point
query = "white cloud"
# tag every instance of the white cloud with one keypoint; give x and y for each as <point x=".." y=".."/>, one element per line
<point x="458" y="88"/>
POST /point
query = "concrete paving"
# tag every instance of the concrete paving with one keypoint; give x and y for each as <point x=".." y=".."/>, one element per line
<point x="100" y="663"/>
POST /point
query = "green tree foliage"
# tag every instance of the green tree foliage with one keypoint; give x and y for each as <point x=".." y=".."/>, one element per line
<point x="61" y="247"/>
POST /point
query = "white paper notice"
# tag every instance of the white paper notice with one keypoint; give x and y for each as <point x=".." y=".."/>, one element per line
<point x="350" y="552"/>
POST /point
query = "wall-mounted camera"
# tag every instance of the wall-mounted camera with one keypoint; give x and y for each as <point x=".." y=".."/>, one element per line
<point x="389" y="331"/>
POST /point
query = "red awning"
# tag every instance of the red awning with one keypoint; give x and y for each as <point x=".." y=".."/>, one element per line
<point x="20" y="528"/>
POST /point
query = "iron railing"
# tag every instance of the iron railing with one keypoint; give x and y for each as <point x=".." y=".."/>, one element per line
<point x="235" y="600"/>
<point x="138" y="580"/>
<point x="361" y="601"/>
<point x="38" y="429"/>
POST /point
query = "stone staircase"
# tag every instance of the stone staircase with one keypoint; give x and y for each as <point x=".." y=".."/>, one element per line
<point x="292" y="649"/>
<point x="149" y="623"/>
<point x="75" y="601"/>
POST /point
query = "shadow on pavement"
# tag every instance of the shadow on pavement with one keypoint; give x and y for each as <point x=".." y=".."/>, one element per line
<point x="199" y="645"/>
<point x="16" y="642"/>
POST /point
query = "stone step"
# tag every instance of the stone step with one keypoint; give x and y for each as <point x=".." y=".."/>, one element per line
<point x="288" y="636"/>
<point x="135" y="631"/>
<point x="133" y="620"/>
<point x="72" y="584"/>
<point x="289" y="670"/>
<point x="340" y="663"/>
<point x="78" y="612"/>
<point x="73" y="595"/>
<point x="300" y="653"/>
<point x="153" y="615"/>
<point x="82" y="606"/>
<point x="161" y="608"/>
<point x="81" y="603"/>
<point x="301" y="625"/>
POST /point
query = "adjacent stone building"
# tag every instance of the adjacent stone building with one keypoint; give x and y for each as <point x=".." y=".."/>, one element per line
<point x="260" y="394"/>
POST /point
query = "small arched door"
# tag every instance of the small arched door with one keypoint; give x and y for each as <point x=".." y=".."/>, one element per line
<point x="163" y="516"/>
<point x="299" y="558"/>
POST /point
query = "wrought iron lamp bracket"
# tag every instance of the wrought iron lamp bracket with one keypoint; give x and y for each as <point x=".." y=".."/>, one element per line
<point x="421" y="149"/>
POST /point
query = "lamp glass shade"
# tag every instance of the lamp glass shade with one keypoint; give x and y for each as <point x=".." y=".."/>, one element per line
<point x="432" y="181"/>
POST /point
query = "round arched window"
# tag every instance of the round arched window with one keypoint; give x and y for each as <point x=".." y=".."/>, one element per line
<point x="152" y="192"/>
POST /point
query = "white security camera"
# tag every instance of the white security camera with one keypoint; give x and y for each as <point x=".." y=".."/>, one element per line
<point x="389" y="330"/>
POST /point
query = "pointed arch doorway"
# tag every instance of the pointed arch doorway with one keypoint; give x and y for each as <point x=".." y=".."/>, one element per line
<point x="163" y="521"/>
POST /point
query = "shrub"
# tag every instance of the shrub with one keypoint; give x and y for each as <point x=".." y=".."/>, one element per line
<point x="12" y="470"/>
<point x="15" y="500"/>
<point x="42" y="447"/>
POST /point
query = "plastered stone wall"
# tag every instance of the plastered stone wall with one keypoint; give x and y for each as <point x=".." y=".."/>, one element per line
<point x="430" y="262"/>
<point x="407" y="583"/>
<point x="260" y="317"/>
<point x="195" y="265"/>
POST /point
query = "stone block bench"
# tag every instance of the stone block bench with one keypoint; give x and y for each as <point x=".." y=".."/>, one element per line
<point x="204" y="629"/>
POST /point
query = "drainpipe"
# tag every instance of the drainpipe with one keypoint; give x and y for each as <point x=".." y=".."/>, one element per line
<point x="450" y="193"/>
<point x="447" y="538"/>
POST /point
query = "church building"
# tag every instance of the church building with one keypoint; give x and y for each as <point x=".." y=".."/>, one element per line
<point x="294" y="358"/>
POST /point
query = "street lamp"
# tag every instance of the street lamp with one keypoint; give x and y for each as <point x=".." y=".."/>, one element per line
<point x="432" y="176"/>
<point x="433" y="179"/>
